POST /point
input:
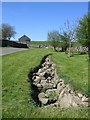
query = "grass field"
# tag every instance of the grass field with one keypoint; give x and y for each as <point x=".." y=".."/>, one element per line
<point x="39" y="43"/>
<point x="73" y="70"/>
<point x="16" y="99"/>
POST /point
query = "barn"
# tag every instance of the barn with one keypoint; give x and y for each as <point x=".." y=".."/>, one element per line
<point x="25" y="40"/>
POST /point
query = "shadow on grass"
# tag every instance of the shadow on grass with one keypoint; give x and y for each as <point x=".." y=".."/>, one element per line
<point x="79" y="53"/>
<point x="35" y="91"/>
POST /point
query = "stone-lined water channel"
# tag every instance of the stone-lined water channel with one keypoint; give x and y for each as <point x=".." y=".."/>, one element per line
<point x="49" y="89"/>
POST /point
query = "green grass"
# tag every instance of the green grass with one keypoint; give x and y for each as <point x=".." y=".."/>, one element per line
<point x="16" y="99"/>
<point x="74" y="70"/>
<point x="39" y="43"/>
<point x="0" y="85"/>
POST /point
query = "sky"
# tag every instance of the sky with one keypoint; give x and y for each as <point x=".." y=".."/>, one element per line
<point x="45" y="0"/>
<point x="36" y="19"/>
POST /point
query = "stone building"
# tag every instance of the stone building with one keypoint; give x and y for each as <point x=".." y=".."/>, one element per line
<point x="25" y="40"/>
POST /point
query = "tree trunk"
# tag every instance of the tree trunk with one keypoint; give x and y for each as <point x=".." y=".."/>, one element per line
<point x="89" y="53"/>
<point x="54" y="48"/>
<point x="70" y="55"/>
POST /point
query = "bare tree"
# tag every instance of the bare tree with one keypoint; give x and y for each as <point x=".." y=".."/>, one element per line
<point x="70" y="30"/>
<point x="54" y="38"/>
<point x="7" y="31"/>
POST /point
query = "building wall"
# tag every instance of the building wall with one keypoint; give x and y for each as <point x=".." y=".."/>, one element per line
<point x="24" y="40"/>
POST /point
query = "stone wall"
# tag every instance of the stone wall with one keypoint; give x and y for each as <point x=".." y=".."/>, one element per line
<point x="49" y="90"/>
<point x="78" y="49"/>
<point x="6" y="43"/>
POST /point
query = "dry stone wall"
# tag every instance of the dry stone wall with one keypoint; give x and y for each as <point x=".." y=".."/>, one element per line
<point x="78" y="49"/>
<point x="5" y="43"/>
<point x="48" y="89"/>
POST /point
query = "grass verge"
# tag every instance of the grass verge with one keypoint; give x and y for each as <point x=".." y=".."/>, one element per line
<point x="17" y="102"/>
<point x="74" y="70"/>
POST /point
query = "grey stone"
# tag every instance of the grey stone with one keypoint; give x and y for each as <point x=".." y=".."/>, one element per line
<point x="52" y="68"/>
<point x="47" y="63"/>
<point x="41" y="95"/>
<point x="41" y="74"/>
<point x="48" y="86"/>
<point x="39" y="71"/>
<point x="61" y="80"/>
<point x="38" y="79"/>
<point x="49" y="78"/>
<point x="80" y="95"/>
<point x="72" y="92"/>
<point x="34" y="77"/>
<point x="56" y="81"/>
<point x="59" y="88"/>
<point x="43" y="82"/>
<point x="65" y="102"/>
<point x="77" y="100"/>
<point x="47" y="59"/>
<point x="34" y="83"/>
<point x="39" y="87"/>
<point x="56" y="76"/>
<point x="43" y="64"/>
<point x="84" y="99"/>
<point x="67" y="89"/>
<point x="54" y="85"/>
<point x="86" y="104"/>
<point x="42" y="98"/>
<point x="45" y="68"/>
<point x="61" y="95"/>
<point x="74" y="104"/>
<point x="50" y="91"/>
<point x="53" y="65"/>
<point x="56" y="104"/>
<point x="53" y="73"/>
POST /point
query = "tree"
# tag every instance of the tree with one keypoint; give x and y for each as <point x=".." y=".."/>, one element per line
<point x="54" y="39"/>
<point x="70" y="30"/>
<point x="65" y="41"/>
<point x="7" y="31"/>
<point x="82" y="32"/>
<point x="89" y="36"/>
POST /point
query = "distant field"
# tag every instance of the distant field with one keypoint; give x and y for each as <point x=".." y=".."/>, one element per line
<point x="17" y="102"/>
<point x="39" y="43"/>
<point x="47" y="43"/>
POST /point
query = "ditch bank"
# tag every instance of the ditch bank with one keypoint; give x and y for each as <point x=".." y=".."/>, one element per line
<point x="49" y="90"/>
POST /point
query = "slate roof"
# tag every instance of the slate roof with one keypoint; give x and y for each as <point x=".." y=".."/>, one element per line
<point x="24" y="37"/>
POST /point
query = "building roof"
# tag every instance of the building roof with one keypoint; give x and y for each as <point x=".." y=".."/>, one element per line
<point x="24" y="36"/>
